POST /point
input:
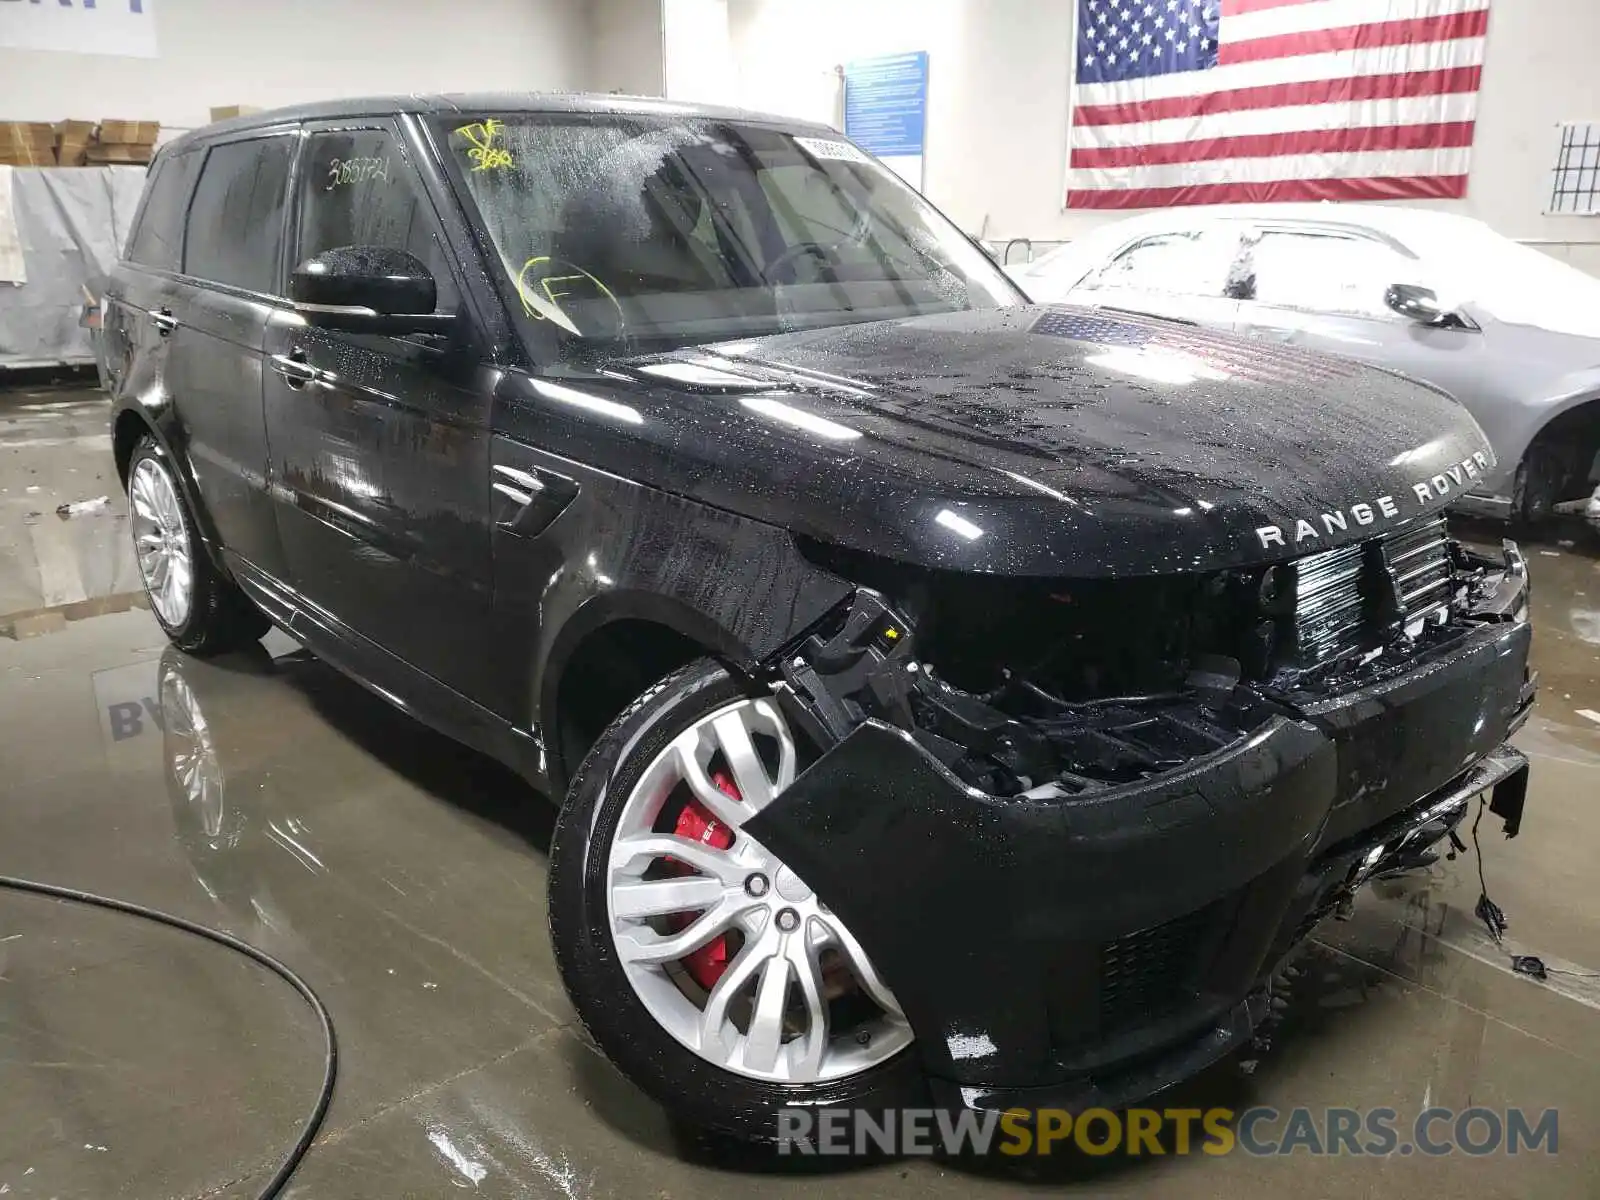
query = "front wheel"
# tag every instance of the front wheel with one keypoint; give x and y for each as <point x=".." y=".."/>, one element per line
<point x="704" y="967"/>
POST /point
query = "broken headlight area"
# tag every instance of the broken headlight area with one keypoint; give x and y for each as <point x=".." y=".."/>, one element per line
<point x="1027" y="690"/>
<point x="1045" y="689"/>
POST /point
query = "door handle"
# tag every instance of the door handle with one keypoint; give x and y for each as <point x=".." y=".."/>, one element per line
<point x="294" y="368"/>
<point x="164" y="321"/>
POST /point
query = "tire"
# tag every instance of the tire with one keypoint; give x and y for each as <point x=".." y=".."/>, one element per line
<point x="695" y="1090"/>
<point x="217" y="616"/>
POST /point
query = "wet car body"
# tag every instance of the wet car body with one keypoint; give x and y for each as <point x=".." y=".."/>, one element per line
<point x="1127" y="651"/>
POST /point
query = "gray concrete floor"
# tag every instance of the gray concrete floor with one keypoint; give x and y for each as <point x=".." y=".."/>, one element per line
<point x="404" y="877"/>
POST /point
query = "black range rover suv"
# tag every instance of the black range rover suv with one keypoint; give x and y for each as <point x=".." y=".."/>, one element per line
<point x="945" y="697"/>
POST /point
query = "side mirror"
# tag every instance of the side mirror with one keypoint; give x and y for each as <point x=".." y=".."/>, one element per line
<point x="367" y="289"/>
<point x="1416" y="303"/>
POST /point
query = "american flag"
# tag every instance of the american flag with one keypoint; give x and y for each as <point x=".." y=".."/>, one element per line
<point x="1229" y="101"/>
<point x="1160" y="340"/>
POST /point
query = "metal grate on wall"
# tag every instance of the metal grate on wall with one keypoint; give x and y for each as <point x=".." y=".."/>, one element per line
<point x="1575" y="180"/>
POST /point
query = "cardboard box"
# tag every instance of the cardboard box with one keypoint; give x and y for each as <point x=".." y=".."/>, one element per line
<point x="71" y="154"/>
<point x="72" y="142"/>
<point x="24" y="144"/>
<point x="130" y="133"/>
<point x="29" y="132"/>
<point x="229" y="111"/>
<point x="27" y="144"/>
<point x="101" y="153"/>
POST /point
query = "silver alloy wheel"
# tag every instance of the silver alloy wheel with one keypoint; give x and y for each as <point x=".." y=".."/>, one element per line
<point x="161" y="541"/>
<point x="769" y="1016"/>
<point x="193" y="754"/>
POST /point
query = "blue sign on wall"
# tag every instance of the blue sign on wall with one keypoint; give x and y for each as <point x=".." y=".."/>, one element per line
<point x="886" y="104"/>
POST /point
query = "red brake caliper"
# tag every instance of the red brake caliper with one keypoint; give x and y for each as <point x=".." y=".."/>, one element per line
<point x="706" y="964"/>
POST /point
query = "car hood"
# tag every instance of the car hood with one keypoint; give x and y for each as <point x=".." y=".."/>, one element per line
<point x="1036" y="441"/>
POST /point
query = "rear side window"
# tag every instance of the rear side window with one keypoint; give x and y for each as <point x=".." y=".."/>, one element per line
<point x="157" y="240"/>
<point x="358" y="189"/>
<point x="235" y="226"/>
<point x="1185" y="263"/>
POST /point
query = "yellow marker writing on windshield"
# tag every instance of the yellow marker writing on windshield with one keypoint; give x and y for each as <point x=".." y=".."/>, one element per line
<point x="549" y="281"/>
<point x="485" y="154"/>
<point x="548" y="306"/>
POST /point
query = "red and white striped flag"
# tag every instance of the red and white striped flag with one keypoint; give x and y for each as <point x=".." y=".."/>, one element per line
<point x="1229" y="101"/>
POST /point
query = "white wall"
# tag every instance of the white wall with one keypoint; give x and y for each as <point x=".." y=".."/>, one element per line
<point x="275" y="52"/>
<point x="998" y="102"/>
<point x="1539" y="70"/>
<point x="698" y="53"/>
<point x="627" y="47"/>
<point x="996" y="92"/>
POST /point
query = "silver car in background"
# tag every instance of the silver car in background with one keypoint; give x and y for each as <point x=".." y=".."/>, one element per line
<point x="1510" y="332"/>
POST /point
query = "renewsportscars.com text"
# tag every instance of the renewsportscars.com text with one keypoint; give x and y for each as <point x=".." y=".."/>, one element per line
<point x="1375" y="1132"/>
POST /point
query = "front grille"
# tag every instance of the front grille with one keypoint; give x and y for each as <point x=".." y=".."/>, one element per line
<point x="1349" y="600"/>
<point x="1331" y="604"/>
<point x="1419" y="565"/>
<point x="1146" y="974"/>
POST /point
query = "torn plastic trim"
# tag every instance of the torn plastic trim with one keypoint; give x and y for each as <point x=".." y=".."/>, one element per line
<point x="871" y="649"/>
<point x="1407" y="840"/>
<point x="829" y="684"/>
<point x="1503" y="771"/>
<point x="1502" y="589"/>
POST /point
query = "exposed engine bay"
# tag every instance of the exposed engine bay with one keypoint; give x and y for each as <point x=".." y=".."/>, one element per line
<point x="1053" y="688"/>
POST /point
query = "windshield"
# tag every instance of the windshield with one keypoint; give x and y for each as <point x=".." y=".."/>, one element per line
<point x="687" y="230"/>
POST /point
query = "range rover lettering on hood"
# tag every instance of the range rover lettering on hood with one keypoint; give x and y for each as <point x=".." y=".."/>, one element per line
<point x="1427" y="492"/>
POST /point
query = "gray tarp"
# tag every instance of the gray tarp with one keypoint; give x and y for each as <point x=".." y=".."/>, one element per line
<point x="72" y="222"/>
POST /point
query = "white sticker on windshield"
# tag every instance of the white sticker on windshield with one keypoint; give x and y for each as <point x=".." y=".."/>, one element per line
<point x="828" y="148"/>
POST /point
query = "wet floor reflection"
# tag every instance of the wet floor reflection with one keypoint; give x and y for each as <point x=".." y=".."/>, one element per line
<point x="258" y="749"/>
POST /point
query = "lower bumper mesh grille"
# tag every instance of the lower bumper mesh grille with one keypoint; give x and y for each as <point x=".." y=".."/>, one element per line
<point x="1147" y="974"/>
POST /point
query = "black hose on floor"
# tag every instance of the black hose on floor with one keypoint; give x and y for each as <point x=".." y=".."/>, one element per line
<point x="330" y="1066"/>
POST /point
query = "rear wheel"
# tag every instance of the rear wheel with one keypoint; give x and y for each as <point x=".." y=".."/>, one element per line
<point x="704" y="967"/>
<point x="200" y="610"/>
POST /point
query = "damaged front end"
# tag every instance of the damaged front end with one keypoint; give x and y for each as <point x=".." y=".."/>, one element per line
<point x="1125" y="801"/>
<point x="1047" y="689"/>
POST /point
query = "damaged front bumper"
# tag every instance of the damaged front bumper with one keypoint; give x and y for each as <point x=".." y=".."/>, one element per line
<point x="1094" y="949"/>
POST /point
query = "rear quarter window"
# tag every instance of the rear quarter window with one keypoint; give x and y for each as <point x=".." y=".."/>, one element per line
<point x="157" y="237"/>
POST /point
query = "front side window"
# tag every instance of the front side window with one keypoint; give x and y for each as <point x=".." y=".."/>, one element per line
<point x="235" y="230"/>
<point x="158" y="240"/>
<point x="1184" y="263"/>
<point x="1330" y="273"/>
<point x="681" y="230"/>
<point x="358" y="188"/>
